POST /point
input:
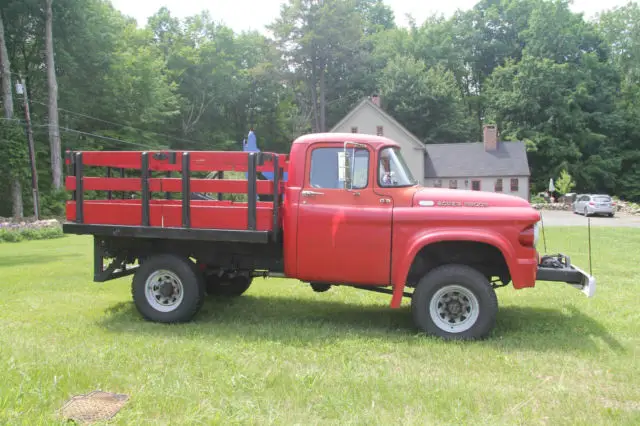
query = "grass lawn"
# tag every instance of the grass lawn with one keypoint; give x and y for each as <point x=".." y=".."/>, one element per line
<point x="282" y="354"/>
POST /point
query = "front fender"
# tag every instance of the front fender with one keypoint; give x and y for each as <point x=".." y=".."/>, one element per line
<point x="401" y="268"/>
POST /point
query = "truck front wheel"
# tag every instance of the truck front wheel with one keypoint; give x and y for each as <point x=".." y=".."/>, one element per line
<point x="168" y="289"/>
<point x="455" y="302"/>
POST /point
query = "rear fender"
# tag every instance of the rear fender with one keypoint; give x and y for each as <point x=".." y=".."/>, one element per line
<point x="401" y="271"/>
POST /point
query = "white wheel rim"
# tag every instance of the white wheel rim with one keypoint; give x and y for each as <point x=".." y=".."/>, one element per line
<point x="454" y="308"/>
<point x="164" y="290"/>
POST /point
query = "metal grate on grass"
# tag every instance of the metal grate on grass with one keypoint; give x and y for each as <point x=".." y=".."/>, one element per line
<point x="94" y="406"/>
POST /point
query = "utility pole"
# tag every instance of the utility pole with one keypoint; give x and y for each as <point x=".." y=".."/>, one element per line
<point x="21" y="88"/>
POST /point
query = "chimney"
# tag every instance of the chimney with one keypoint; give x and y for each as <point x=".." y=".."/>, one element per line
<point x="490" y="137"/>
<point x="376" y="100"/>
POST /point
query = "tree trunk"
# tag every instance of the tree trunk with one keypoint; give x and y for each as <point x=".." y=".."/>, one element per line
<point x="323" y="97"/>
<point x="314" y="96"/>
<point x="16" y="199"/>
<point x="54" y="130"/>
<point x="7" y="100"/>
<point x="7" y="92"/>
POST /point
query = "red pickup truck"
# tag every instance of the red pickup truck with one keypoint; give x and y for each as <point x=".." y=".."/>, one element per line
<point x="350" y="213"/>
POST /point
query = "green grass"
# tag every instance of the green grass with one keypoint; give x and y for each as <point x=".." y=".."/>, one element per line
<point x="282" y="354"/>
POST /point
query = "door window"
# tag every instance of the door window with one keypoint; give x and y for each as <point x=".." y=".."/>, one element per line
<point x="327" y="167"/>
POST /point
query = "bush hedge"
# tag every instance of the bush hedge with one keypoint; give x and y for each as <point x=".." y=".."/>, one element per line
<point x="26" y="231"/>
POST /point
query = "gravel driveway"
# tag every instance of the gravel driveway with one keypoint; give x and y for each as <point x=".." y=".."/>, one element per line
<point x="568" y="218"/>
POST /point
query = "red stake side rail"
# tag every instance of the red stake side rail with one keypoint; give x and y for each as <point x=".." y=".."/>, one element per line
<point x="185" y="218"/>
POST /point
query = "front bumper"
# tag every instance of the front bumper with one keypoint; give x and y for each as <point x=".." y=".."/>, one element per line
<point x="559" y="268"/>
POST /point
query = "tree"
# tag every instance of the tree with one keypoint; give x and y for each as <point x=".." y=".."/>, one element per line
<point x="317" y="38"/>
<point x="9" y="136"/>
<point x="565" y="183"/>
<point x="427" y="101"/>
<point x="54" y="130"/>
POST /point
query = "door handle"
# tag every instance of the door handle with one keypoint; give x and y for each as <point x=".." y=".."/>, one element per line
<point x="384" y="201"/>
<point x="307" y="193"/>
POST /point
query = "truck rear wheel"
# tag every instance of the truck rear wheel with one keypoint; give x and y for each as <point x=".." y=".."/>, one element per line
<point x="455" y="302"/>
<point x="167" y="288"/>
<point x="228" y="287"/>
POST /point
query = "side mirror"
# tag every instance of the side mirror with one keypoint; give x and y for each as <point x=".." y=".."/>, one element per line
<point x="345" y="170"/>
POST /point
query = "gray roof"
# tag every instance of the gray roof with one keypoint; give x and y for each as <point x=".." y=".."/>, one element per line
<point x="471" y="160"/>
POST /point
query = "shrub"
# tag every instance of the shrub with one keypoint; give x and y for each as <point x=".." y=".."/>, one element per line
<point x="16" y="233"/>
<point x="536" y="199"/>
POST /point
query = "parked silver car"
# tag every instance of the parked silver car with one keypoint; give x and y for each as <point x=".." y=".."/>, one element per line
<point x="594" y="204"/>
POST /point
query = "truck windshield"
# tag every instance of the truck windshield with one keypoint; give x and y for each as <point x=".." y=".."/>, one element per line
<point x="393" y="171"/>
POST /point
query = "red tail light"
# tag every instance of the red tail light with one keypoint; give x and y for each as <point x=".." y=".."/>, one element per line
<point x="591" y="203"/>
<point x="527" y="236"/>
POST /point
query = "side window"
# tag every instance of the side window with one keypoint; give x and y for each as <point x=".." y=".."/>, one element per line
<point x="326" y="172"/>
<point x="393" y="171"/>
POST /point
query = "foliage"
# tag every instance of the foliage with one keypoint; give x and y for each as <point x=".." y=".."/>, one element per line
<point x="568" y="87"/>
<point x="52" y="203"/>
<point x="15" y="234"/>
<point x="536" y="199"/>
<point x="564" y="183"/>
<point x="13" y="150"/>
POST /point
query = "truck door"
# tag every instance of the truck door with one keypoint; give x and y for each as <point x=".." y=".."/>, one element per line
<point x="344" y="235"/>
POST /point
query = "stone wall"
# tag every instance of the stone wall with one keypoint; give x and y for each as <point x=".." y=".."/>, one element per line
<point x="621" y="206"/>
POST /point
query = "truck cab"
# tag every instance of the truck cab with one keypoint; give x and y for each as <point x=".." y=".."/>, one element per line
<point x="350" y="213"/>
<point x="340" y="202"/>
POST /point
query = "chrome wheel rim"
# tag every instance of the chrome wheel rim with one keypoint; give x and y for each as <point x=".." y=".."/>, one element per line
<point x="164" y="290"/>
<point x="454" y="308"/>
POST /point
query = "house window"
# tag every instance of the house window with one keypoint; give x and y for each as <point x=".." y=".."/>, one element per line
<point x="475" y="185"/>
<point x="453" y="184"/>
<point x="437" y="183"/>
<point x="379" y="131"/>
<point x="514" y="184"/>
<point x="498" y="187"/>
<point x="354" y="130"/>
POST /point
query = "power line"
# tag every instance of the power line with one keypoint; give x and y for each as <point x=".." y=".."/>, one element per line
<point x="66" y="129"/>
<point x="121" y="125"/>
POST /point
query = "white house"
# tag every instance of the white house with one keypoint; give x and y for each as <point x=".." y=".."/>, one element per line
<point x="491" y="165"/>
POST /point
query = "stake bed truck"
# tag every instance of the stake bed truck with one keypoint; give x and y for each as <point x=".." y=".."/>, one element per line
<point x="349" y="213"/>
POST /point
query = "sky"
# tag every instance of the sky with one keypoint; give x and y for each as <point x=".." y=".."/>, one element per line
<point x="255" y="14"/>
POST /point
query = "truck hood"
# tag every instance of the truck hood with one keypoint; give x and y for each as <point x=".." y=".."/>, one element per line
<point x="441" y="197"/>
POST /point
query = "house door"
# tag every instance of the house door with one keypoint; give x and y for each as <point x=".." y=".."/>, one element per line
<point x="344" y="236"/>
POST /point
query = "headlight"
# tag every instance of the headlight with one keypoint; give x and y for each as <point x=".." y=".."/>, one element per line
<point x="536" y="233"/>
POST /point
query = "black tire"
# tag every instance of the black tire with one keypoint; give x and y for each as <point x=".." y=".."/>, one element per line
<point x="474" y="295"/>
<point x="190" y="280"/>
<point x="228" y="287"/>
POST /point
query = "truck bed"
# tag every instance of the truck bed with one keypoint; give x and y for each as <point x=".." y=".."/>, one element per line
<point x="155" y="195"/>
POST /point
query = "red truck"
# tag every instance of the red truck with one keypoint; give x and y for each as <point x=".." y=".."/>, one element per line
<point x="350" y="213"/>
